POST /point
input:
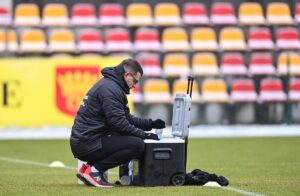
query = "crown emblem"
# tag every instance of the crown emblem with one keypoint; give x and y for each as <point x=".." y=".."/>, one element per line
<point x="72" y="83"/>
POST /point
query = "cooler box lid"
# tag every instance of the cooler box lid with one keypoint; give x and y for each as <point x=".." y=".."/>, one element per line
<point x="166" y="140"/>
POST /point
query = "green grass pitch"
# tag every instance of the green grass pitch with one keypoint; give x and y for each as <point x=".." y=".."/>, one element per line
<point x="268" y="166"/>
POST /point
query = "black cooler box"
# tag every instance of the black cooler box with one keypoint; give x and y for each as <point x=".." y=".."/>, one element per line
<point x="164" y="161"/>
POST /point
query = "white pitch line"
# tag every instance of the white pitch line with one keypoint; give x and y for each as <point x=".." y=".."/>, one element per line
<point x="14" y="160"/>
<point x="243" y="192"/>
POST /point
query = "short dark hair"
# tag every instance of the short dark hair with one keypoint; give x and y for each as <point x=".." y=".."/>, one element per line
<point x="132" y="66"/>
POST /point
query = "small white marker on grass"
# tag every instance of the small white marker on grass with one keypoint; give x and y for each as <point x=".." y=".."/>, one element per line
<point x="212" y="184"/>
<point x="57" y="164"/>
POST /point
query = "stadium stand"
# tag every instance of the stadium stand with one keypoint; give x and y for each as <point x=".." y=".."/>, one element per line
<point x="61" y="40"/>
<point x="233" y="64"/>
<point x="55" y="14"/>
<point x="150" y="63"/>
<point x="251" y="13"/>
<point x="139" y="14"/>
<point x="232" y="39"/>
<point x="33" y="41"/>
<point x="83" y="14"/>
<point x="90" y="40"/>
<point x="195" y="14"/>
<point x="204" y="39"/>
<point x="147" y="39"/>
<point x="111" y="14"/>
<point x="27" y="14"/>
<point x="204" y="64"/>
<point x="176" y="65"/>
<point x="278" y="13"/>
<point x="5" y="16"/>
<point x="167" y="14"/>
<point x="213" y="40"/>
<point x="222" y="13"/>
<point x="260" y="38"/>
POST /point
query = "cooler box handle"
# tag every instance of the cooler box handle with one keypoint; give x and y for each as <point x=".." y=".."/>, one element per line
<point x="162" y="153"/>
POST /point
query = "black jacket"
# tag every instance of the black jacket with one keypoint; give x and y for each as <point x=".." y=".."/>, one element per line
<point x="103" y="112"/>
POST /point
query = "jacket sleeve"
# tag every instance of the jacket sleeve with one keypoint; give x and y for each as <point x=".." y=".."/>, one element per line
<point x="141" y="123"/>
<point x="114" y="113"/>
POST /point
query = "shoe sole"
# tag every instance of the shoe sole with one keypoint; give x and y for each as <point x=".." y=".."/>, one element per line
<point x="91" y="181"/>
<point x="82" y="179"/>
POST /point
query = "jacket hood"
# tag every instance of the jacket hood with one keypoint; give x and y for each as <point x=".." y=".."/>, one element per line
<point x="116" y="74"/>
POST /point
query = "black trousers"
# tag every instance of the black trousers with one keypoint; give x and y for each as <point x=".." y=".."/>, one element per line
<point x="116" y="150"/>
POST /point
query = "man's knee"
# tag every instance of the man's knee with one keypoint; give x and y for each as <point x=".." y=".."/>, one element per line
<point x="138" y="145"/>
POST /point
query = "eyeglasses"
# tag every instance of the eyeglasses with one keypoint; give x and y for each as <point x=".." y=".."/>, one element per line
<point x="135" y="81"/>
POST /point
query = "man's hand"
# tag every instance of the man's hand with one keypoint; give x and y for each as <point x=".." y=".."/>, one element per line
<point x="158" y="124"/>
<point x="151" y="136"/>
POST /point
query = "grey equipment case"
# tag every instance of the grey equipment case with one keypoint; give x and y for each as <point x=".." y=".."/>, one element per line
<point x="164" y="162"/>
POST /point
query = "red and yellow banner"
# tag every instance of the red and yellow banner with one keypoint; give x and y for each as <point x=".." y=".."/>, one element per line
<point x="46" y="91"/>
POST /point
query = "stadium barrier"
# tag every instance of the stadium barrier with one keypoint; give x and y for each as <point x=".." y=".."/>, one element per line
<point x="46" y="91"/>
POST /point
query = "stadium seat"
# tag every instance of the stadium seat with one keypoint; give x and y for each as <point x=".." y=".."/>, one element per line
<point x="287" y="38"/>
<point x="222" y="13"/>
<point x="27" y="14"/>
<point x="251" y="13"/>
<point x="118" y="40"/>
<point x="271" y="90"/>
<point x="147" y="39"/>
<point x="139" y="14"/>
<point x="261" y="64"/>
<point x="243" y="90"/>
<point x="260" y="39"/>
<point x="175" y="39"/>
<point x="204" y="64"/>
<point x="156" y="91"/>
<point x="90" y="40"/>
<point x="195" y="14"/>
<point x="83" y="14"/>
<point x="166" y="14"/>
<point x="204" y="39"/>
<point x="61" y="40"/>
<point x="2" y="40"/>
<point x="55" y="14"/>
<point x="150" y="63"/>
<point x="214" y="91"/>
<point x="12" y="42"/>
<point x="294" y="90"/>
<point x="137" y="94"/>
<point x="33" y="41"/>
<point x="233" y="64"/>
<point x="232" y="39"/>
<point x="180" y="86"/>
<point x="297" y="12"/>
<point x="5" y="16"/>
<point x="111" y="14"/>
<point x="288" y="58"/>
<point x="278" y="13"/>
<point x="176" y="65"/>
